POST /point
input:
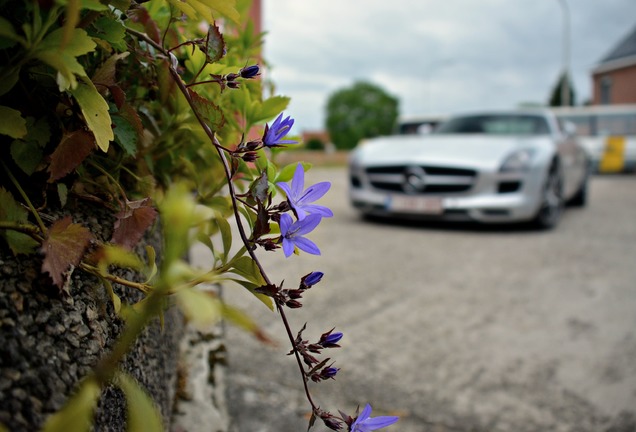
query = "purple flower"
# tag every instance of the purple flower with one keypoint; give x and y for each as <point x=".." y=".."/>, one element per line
<point x="274" y="134"/>
<point x="311" y="279"/>
<point x="292" y="233"/>
<point x="365" y="423"/>
<point x="330" y="340"/>
<point x="249" y="71"/>
<point x="300" y="199"/>
<point x="329" y="372"/>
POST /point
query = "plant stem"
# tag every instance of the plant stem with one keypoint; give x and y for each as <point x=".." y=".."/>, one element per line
<point x="145" y="288"/>
<point x="235" y="205"/>
<point x="28" y="229"/>
<point x="26" y="199"/>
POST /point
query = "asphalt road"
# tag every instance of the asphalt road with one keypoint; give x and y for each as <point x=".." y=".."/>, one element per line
<point x="456" y="327"/>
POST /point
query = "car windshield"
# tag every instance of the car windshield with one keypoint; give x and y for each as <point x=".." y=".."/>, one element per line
<point x="511" y="124"/>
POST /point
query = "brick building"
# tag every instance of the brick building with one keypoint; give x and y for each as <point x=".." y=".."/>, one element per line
<point x="614" y="78"/>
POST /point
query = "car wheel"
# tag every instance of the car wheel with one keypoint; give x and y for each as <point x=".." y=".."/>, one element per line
<point x="551" y="201"/>
<point x="580" y="198"/>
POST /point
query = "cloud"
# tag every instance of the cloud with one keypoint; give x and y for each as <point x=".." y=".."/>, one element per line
<point x="442" y="55"/>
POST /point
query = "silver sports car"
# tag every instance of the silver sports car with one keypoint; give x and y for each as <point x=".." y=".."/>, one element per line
<point x="489" y="167"/>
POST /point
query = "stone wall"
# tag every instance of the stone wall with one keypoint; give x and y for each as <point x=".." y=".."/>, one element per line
<point x="49" y="341"/>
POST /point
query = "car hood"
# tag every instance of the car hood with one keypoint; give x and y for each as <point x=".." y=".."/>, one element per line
<point x="479" y="151"/>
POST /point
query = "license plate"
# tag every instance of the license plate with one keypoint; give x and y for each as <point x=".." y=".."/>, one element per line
<point x="413" y="204"/>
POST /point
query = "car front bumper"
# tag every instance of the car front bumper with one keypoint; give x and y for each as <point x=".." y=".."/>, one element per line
<point x="484" y="202"/>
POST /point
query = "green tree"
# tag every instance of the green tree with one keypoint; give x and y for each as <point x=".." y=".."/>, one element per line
<point x="555" y="98"/>
<point x="361" y="111"/>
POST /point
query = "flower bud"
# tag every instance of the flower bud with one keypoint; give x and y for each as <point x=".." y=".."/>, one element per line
<point x="331" y="422"/>
<point x="329" y="372"/>
<point x="311" y="279"/>
<point x="294" y="304"/>
<point x="330" y="340"/>
<point x="249" y="71"/>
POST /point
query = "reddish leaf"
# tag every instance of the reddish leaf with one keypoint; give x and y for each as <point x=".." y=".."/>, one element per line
<point x="64" y="247"/>
<point x="70" y="153"/>
<point x="211" y="114"/>
<point x="142" y="16"/>
<point x="214" y="46"/>
<point x="119" y="96"/>
<point x="133" y="222"/>
<point x="129" y="113"/>
<point x="105" y="75"/>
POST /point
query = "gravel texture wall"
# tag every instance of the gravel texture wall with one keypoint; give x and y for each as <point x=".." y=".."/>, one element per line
<point x="49" y="341"/>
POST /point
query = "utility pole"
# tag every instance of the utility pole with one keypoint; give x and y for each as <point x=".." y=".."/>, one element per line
<point x="565" y="88"/>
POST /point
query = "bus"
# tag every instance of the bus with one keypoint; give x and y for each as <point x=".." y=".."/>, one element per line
<point x="608" y="132"/>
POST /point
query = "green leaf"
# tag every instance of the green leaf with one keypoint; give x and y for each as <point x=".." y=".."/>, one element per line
<point x="125" y="135"/>
<point x="244" y="321"/>
<point x="246" y="267"/>
<point x="226" y="236"/>
<point x="72" y="17"/>
<point x="94" y="5"/>
<point x="143" y="415"/>
<point x="7" y="31"/>
<point x="151" y="268"/>
<point x="199" y="307"/>
<point x="193" y="8"/>
<point x="177" y="213"/>
<point x="77" y="414"/>
<point x="62" y="192"/>
<point x="11" y="211"/>
<point x="271" y="107"/>
<point x="27" y="155"/>
<point x="266" y="300"/>
<point x="95" y="111"/>
<point x="64" y="60"/>
<point x="112" y="31"/>
<point x="225" y="7"/>
<point x="12" y="124"/>
<point x="118" y="256"/>
<point x="64" y="247"/>
<point x="9" y="77"/>
<point x="114" y="297"/>
<point x="27" y="152"/>
<point x="287" y="173"/>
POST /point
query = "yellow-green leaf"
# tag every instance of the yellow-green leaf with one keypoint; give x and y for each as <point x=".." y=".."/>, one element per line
<point x="72" y="18"/>
<point x="94" y="5"/>
<point x="77" y="414"/>
<point x="7" y="31"/>
<point x="246" y="267"/>
<point x="143" y="415"/>
<point x="95" y="111"/>
<point x="201" y="308"/>
<point x="245" y="322"/>
<point x="12" y="124"/>
<point x="53" y="52"/>
<point x="187" y="9"/>
<point x="271" y="107"/>
<point x="266" y="300"/>
<point x="151" y="268"/>
<point x="119" y="256"/>
<point x="11" y="211"/>
<point x="225" y="7"/>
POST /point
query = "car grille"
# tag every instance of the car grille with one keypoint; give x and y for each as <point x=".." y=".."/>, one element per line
<point x="429" y="179"/>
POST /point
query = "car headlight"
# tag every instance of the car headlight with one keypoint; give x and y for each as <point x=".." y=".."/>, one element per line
<point x="519" y="160"/>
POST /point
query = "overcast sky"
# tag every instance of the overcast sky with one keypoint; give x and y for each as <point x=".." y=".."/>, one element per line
<point x="435" y="56"/>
